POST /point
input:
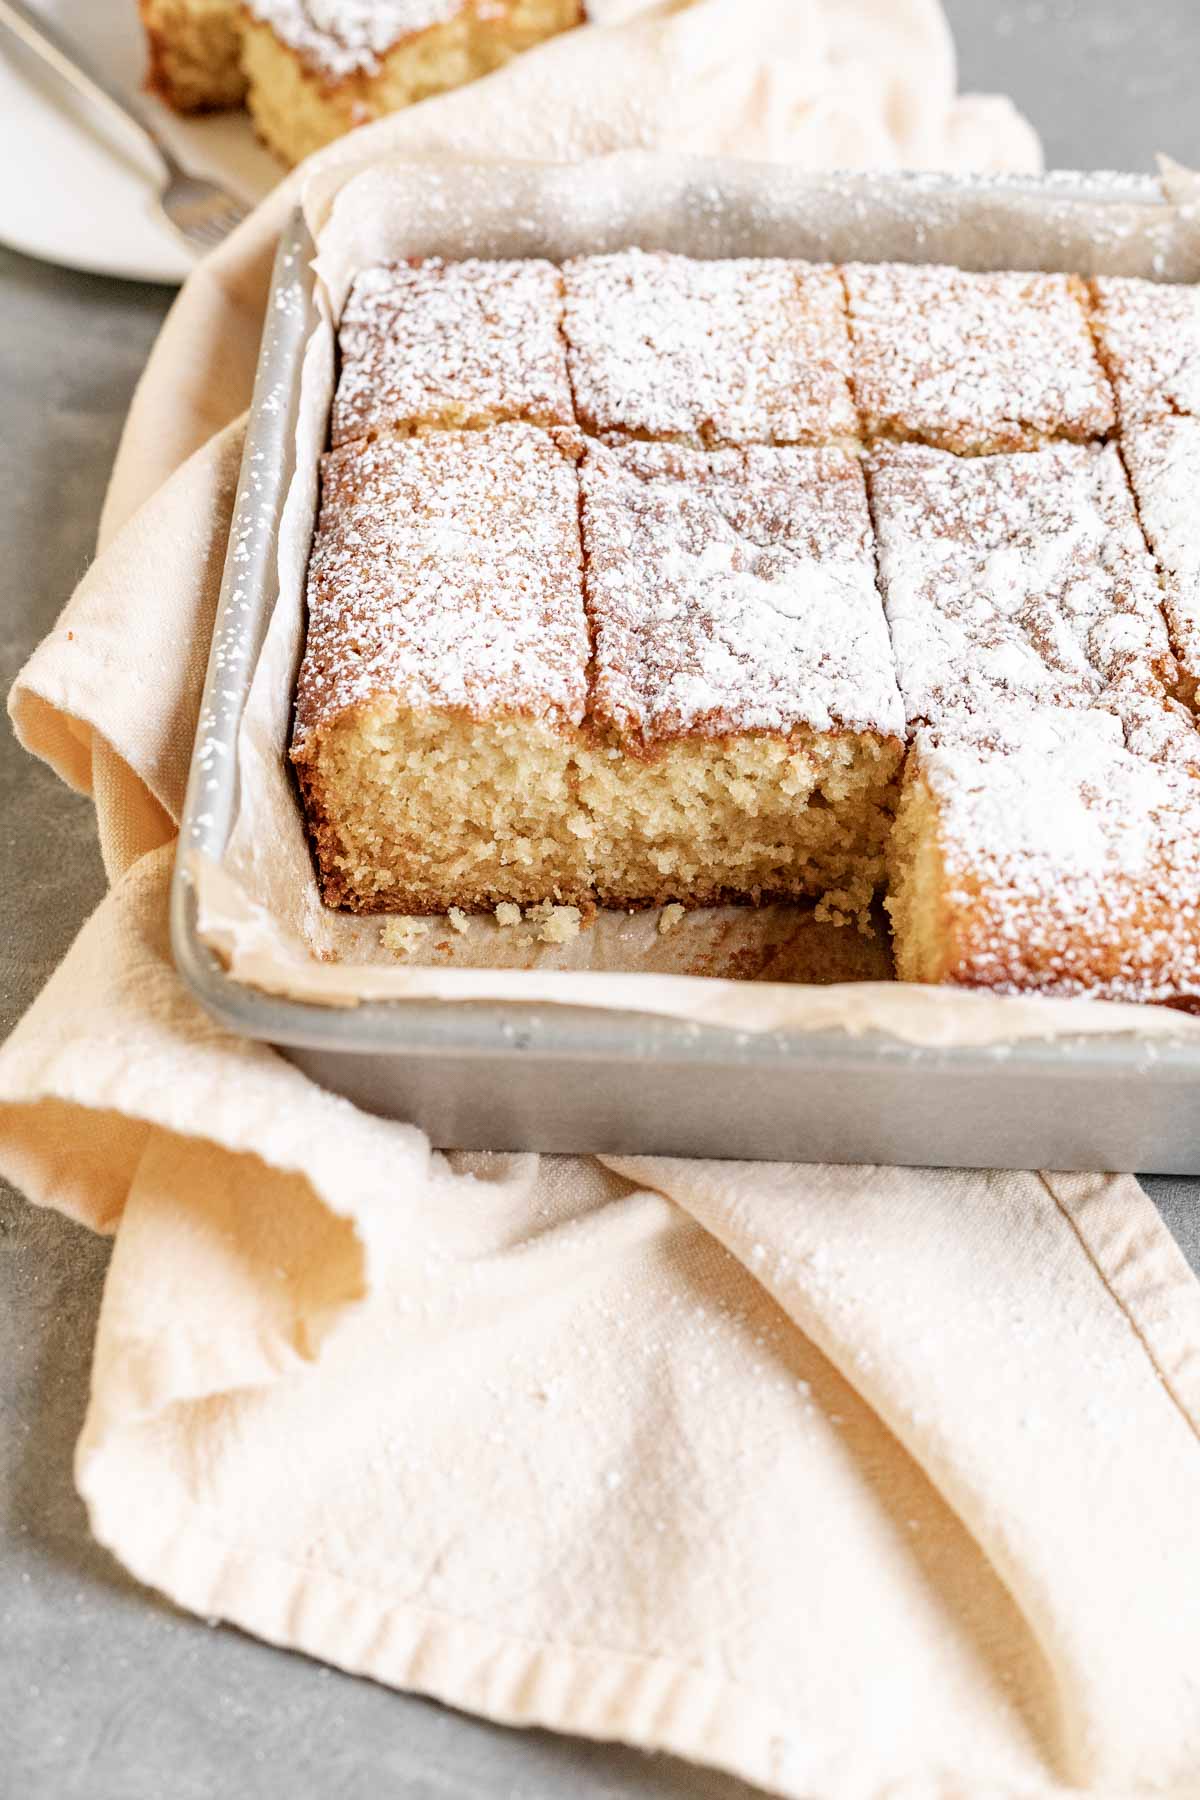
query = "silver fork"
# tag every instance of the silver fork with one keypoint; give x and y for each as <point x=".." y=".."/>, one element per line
<point x="201" y="212"/>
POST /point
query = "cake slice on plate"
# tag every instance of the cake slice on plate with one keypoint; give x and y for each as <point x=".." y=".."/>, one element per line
<point x="310" y="70"/>
<point x="315" y="70"/>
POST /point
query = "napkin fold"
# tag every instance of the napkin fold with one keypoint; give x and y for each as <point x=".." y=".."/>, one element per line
<point x="851" y="1481"/>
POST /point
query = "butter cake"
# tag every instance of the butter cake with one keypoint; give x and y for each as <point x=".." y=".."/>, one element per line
<point x="591" y="620"/>
<point x="1056" y="862"/>
<point x="431" y="345"/>
<point x="310" y="70"/>
<point x="974" y="363"/>
<point x="708" y="353"/>
<point x="1016" y="581"/>
<point x="445" y="672"/>
<point x="746" y="725"/>
<point x="1149" y="338"/>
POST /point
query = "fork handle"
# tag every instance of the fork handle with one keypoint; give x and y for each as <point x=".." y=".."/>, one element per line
<point x="72" y="64"/>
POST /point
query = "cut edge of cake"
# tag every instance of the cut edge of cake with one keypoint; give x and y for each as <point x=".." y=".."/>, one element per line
<point x="745" y="730"/>
<point x="474" y="812"/>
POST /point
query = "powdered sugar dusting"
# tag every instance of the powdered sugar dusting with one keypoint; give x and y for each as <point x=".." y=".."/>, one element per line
<point x="468" y="343"/>
<point x="733" y="592"/>
<point x="445" y="573"/>
<point x="1149" y="335"/>
<point x="1158" y="728"/>
<point x="1163" y="459"/>
<point x="340" y="38"/>
<point x="1071" y="864"/>
<point x="725" y="352"/>
<point x="1015" y="580"/>
<point x="974" y="362"/>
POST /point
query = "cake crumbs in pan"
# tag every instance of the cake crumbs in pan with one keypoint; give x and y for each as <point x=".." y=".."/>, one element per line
<point x="403" y="936"/>
<point x="555" y="924"/>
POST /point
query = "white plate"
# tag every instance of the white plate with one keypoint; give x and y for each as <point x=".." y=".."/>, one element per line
<point x="80" y="191"/>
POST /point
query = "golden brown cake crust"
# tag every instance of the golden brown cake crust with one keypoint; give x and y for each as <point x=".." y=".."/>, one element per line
<point x="194" y="53"/>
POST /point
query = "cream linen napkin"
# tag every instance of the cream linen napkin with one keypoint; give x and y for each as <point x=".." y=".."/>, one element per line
<point x="852" y="1481"/>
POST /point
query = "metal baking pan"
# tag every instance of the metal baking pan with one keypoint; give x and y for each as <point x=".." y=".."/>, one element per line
<point x="555" y="1078"/>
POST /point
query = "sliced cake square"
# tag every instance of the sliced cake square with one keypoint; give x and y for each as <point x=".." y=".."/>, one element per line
<point x="433" y="345"/>
<point x="1054" y="861"/>
<point x="445" y="673"/>
<point x="973" y="363"/>
<point x="1149" y="338"/>
<point x="708" y="353"/>
<point x="745" y="721"/>
<point x="317" y="70"/>
<point x="1016" y="582"/>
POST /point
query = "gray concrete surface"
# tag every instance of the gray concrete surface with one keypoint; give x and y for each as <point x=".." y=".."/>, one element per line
<point x="106" y="1693"/>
